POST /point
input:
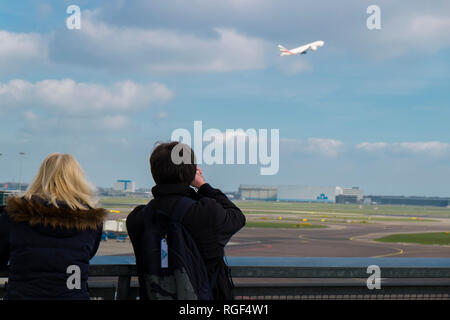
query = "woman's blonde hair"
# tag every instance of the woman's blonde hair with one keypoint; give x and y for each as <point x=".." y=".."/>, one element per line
<point x="60" y="178"/>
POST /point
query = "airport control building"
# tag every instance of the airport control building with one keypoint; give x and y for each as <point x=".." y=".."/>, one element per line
<point x="124" y="186"/>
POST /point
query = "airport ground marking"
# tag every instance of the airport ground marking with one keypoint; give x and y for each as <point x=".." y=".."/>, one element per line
<point x="399" y="252"/>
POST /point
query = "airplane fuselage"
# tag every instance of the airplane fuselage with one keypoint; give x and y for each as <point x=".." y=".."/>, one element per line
<point x="302" y="49"/>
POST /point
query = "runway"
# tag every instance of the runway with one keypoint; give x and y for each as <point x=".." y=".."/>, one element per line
<point x="339" y="240"/>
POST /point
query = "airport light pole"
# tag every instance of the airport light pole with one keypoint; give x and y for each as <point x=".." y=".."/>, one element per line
<point x="21" y="154"/>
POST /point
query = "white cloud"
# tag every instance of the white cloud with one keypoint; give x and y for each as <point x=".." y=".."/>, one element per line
<point x="20" y="44"/>
<point x="407" y="26"/>
<point x="429" y="25"/>
<point x="430" y="147"/>
<point x="333" y="147"/>
<point x="322" y="146"/>
<point x="216" y="37"/>
<point x="65" y="106"/>
<point x="70" y="97"/>
<point x="99" y="44"/>
<point x="433" y="148"/>
<point x="371" y="147"/>
<point x="35" y="124"/>
<point x="327" y="147"/>
<point x="410" y="32"/>
<point x="19" y="50"/>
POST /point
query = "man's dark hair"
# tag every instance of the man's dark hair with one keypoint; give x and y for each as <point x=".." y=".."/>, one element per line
<point x="165" y="170"/>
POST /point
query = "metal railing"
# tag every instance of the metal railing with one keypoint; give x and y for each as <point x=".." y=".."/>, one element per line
<point x="114" y="277"/>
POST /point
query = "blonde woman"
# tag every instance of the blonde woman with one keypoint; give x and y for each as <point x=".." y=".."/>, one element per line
<point x="49" y="234"/>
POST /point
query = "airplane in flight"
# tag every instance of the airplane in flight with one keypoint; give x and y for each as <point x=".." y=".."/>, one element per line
<point x="300" y="50"/>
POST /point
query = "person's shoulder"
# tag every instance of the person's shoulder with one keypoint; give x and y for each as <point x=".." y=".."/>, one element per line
<point x="135" y="218"/>
<point x="207" y="203"/>
<point x="136" y="212"/>
<point x="204" y="211"/>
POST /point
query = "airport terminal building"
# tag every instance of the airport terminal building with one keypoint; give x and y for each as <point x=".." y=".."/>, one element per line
<point x="411" y="201"/>
<point x="254" y="192"/>
<point x="308" y="193"/>
<point x="331" y="194"/>
<point x="290" y="193"/>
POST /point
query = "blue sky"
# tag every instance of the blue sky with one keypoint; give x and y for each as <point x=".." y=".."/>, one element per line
<point x="368" y="109"/>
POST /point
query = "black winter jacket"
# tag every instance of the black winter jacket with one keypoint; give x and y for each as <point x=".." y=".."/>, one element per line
<point x="211" y="221"/>
<point x="41" y="241"/>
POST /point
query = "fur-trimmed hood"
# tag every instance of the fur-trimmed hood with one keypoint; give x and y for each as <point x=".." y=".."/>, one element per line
<point x="38" y="211"/>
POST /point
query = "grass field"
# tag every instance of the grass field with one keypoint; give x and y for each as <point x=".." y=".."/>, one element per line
<point x="311" y="208"/>
<point x="265" y="214"/>
<point x="352" y="209"/>
<point x="263" y="224"/>
<point x="121" y="202"/>
<point x="440" y="238"/>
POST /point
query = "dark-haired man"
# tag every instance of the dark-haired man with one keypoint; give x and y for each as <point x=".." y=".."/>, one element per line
<point x="211" y="220"/>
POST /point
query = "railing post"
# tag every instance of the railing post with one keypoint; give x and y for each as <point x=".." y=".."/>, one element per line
<point x="123" y="288"/>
